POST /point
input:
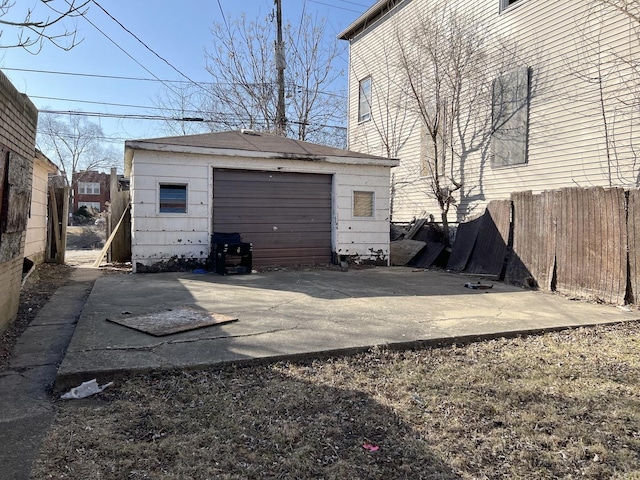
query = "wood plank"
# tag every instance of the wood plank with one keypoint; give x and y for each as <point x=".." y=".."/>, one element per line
<point x="403" y="251"/>
<point x="633" y="235"/>
<point x="520" y="258"/>
<point x="107" y="244"/>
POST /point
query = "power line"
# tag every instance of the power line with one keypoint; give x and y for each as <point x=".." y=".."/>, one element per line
<point x="335" y="6"/>
<point x="217" y="116"/>
<point x="142" y="43"/>
<point x="109" y="104"/>
<point x="163" y="81"/>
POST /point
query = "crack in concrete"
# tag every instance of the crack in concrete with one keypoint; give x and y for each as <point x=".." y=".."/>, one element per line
<point x="192" y="340"/>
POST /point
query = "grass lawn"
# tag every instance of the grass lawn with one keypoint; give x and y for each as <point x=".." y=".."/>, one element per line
<point x="560" y="405"/>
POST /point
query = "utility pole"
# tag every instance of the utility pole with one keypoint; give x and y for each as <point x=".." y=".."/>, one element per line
<point x="281" y="118"/>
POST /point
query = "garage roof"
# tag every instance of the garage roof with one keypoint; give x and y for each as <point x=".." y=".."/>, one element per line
<point x="252" y="144"/>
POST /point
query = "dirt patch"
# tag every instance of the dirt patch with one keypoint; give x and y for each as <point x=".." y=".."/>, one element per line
<point x="560" y="405"/>
<point x="86" y="237"/>
<point x="37" y="290"/>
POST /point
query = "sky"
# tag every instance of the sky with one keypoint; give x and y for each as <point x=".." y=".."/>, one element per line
<point x="178" y="32"/>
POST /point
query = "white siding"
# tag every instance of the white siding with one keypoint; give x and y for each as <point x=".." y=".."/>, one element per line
<point x="159" y="237"/>
<point x="566" y="131"/>
<point x="36" y="237"/>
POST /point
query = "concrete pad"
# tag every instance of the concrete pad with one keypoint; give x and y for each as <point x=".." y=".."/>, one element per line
<point x="286" y="314"/>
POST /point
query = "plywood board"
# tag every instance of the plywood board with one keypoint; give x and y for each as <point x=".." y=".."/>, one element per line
<point x="172" y="321"/>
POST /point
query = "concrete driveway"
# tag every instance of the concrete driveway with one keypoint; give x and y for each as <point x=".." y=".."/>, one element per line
<point x="296" y="314"/>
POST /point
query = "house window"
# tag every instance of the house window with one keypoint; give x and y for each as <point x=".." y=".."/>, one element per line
<point x="504" y="4"/>
<point x="364" y="100"/>
<point x="90" y="205"/>
<point x="173" y="198"/>
<point x="363" y="204"/>
<point x="88" y="188"/>
<point x="510" y="118"/>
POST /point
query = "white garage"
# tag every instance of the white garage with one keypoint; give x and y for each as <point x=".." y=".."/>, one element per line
<point x="297" y="203"/>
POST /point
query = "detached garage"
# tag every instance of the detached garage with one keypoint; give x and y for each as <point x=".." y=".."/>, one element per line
<point x="298" y="203"/>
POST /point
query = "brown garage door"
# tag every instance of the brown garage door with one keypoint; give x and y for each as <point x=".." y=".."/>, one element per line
<point x="287" y="216"/>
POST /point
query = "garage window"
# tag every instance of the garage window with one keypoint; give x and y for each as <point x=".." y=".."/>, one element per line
<point x="173" y="198"/>
<point x="363" y="204"/>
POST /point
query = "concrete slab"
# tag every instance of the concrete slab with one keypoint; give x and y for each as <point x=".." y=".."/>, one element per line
<point x="285" y="314"/>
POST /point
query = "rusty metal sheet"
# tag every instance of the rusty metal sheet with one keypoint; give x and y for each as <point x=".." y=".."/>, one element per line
<point x="465" y="240"/>
<point x="172" y="321"/>
<point x="490" y="250"/>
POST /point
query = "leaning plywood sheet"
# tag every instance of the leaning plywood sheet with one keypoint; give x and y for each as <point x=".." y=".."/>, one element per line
<point x="402" y="251"/>
<point x="490" y="249"/>
<point x="429" y="255"/>
<point x="176" y="320"/>
<point x="463" y="246"/>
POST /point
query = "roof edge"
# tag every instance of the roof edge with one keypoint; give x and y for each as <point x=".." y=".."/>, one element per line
<point x="372" y="15"/>
<point x="228" y="152"/>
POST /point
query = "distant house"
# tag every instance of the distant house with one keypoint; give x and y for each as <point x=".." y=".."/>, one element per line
<point x="36" y="237"/>
<point x="90" y="190"/>
<point x="296" y="202"/>
<point x="18" y="124"/>
<point x="561" y="111"/>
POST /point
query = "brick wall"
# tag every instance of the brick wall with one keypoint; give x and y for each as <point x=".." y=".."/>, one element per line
<point x="18" y="123"/>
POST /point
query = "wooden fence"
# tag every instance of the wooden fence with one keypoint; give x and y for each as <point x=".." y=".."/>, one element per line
<point x="580" y="242"/>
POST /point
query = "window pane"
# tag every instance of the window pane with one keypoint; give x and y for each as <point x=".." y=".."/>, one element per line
<point x="363" y="204"/>
<point x="173" y="198"/>
<point x="364" y="105"/>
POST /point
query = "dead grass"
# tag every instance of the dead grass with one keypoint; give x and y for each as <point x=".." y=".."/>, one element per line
<point x="561" y="405"/>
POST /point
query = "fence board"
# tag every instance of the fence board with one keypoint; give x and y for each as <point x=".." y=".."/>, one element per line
<point x="490" y="249"/>
<point x="521" y="259"/>
<point x="591" y="244"/>
<point x="633" y="232"/>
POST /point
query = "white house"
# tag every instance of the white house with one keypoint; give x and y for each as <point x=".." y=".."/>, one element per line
<point x="36" y="238"/>
<point x="547" y="98"/>
<point x="296" y="202"/>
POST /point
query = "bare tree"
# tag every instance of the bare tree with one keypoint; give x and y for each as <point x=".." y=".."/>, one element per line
<point x="450" y="62"/>
<point x="75" y="145"/>
<point x="243" y="89"/>
<point x="40" y="23"/>
<point x="183" y="108"/>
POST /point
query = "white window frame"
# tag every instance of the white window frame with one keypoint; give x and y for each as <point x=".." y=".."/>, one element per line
<point x="186" y="198"/>
<point x="89" y="188"/>
<point x="507" y="4"/>
<point x="355" y="194"/>
<point x="364" y="99"/>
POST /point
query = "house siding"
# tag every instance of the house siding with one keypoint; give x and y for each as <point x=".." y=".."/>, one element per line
<point x="18" y="120"/>
<point x="566" y="135"/>
<point x="160" y="239"/>
<point x="36" y="236"/>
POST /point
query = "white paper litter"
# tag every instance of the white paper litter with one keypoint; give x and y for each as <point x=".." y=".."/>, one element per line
<point x="85" y="389"/>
